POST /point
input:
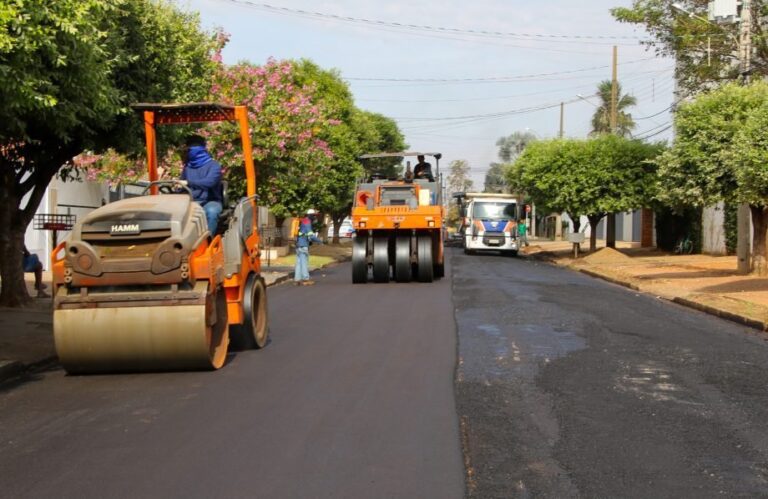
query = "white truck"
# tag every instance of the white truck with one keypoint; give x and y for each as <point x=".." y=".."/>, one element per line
<point x="489" y="222"/>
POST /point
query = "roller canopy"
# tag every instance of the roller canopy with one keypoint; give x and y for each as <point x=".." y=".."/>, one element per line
<point x="197" y="112"/>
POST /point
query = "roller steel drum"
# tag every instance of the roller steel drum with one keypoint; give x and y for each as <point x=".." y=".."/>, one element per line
<point x="142" y="338"/>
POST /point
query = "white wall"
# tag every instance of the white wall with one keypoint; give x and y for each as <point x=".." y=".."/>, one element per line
<point x="67" y="198"/>
<point x="713" y="232"/>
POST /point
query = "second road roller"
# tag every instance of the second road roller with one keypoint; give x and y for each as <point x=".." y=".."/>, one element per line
<point x="398" y="224"/>
<point x="142" y="285"/>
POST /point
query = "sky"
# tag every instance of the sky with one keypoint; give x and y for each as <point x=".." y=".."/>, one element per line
<point x="483" y="69"/>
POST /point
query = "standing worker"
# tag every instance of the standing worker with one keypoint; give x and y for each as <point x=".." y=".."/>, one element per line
<point x="305" y="237"/>
<point x="522" y="232"/>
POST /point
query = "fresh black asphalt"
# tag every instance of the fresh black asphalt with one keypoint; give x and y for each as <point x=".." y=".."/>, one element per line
<point x="563" y="386"/>
<point x="572" y="387"/>
<point x="352" y="398"/>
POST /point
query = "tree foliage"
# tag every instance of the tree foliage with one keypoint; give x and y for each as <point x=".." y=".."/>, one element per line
<point x="69" y="70"/>
<point x="286" y="123"/>
<point x="458" y="176"/>
<point x="719" y="155"/>
<point x="495" y="178"/>
<point x="590" y="177"/>
<point x="512" y="146"/>
<point x="706" y="53"/>
<point x="601" y="119"/>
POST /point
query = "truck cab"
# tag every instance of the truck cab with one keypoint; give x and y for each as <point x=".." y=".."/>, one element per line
<point x="489" y="222"/>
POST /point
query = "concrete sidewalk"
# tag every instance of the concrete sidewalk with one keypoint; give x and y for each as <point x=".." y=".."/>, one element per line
<point x="26" y="335"/>
<point x="704" y="282"/>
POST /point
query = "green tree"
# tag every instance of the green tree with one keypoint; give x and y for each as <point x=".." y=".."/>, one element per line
<point x="512" y="146"/>
<point x="591" y="177"/>
<point x="705" y="53"/>
<point x="347" y="139"/>
<point x="601" y="120"/>
<point x="495" y="178"/>
<point x="289" y="127"/>
<point x="458" y="176"/>
<point x="70" y="69"/>
<point x="719" y="154"/>
<point x="383" y="135"/>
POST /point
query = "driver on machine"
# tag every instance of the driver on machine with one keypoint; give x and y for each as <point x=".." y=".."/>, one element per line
<point x="423" y="170"/>
<point x="203" y="176"/>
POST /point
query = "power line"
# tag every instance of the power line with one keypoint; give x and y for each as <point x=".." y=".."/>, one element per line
<point x="632" y="77"/>
<point x="437" y="29"/>
<point x="492" y="78"/>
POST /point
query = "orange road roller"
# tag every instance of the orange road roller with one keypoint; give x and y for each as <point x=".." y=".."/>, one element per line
<point x="142" y="285"/>
<point x="398" y="225"/>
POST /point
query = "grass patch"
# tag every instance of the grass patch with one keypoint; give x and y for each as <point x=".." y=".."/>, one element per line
<point x="315" y="261"/>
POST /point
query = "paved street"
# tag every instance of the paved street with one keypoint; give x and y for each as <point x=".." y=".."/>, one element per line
<point x="572" y="387"/>
<point x="566" y="386"/>
<point x="352" y="398"/>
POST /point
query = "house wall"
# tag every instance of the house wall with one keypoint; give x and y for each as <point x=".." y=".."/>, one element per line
<point x="67" y="198"/>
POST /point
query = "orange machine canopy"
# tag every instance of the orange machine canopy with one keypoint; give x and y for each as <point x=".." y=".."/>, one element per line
<point x="197" y="112"/>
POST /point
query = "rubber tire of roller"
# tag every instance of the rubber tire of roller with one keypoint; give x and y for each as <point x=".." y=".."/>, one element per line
<point x="403" y="259"/>
<point x="425" y="269"/>
<point x="253" y="333"/>
<point x="360" y="259"/>
<point x="380" y="259"/>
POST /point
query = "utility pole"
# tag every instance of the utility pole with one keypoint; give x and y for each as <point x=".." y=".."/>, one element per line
<point x="610" y="222"/>
<point x="562" y="119"/>
<point x="614" y="91"/>
<point x="743" y="222"/>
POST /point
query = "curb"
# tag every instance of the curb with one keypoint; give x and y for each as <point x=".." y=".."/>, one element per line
<point x="287" y="276"/>
<point x="730" y="316"/>
<point x="722" y="314"/>
<point x="612" y="280"/>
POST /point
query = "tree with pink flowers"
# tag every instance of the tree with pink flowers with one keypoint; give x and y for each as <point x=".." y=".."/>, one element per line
<point x="287" y="125"/>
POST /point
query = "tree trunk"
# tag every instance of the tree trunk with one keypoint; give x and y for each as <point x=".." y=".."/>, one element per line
<point x="25" y="173"/>
<point x="14" y="289"/>
<point x="760" y="228"/>
<point x="610" y="231"/>
<point x="593" y="221"/>
<point x="337" y="219"/>
<point x="576" y="229"/>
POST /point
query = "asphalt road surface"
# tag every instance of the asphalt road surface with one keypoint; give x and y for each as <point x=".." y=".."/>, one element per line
<point x="353" y="398"/>
<point x="572" y="387"/>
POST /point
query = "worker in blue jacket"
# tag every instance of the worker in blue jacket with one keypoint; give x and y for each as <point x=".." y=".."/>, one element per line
<point x="203" y="176"/>
<point x="304" y="239"/>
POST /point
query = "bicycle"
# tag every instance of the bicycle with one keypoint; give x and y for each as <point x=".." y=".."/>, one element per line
<point x="684" y="246"/>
